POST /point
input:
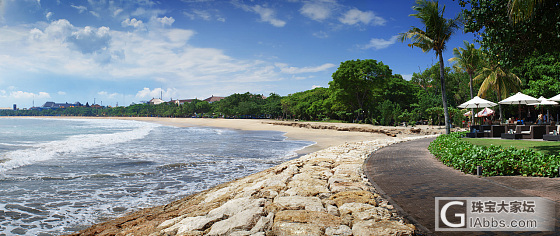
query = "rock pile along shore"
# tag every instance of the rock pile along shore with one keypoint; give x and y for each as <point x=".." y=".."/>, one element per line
<point x="353" y="128"/>
<point x="322" y="193"/>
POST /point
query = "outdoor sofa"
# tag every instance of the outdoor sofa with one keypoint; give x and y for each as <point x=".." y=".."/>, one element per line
<point x="531" y="131"/>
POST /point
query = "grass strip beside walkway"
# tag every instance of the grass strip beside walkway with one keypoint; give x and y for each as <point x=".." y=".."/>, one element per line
<point x="546" y="147"/>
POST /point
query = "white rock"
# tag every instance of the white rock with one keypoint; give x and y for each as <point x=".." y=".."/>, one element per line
<point x="264" y="223"/>
<point x="333" y="210"/>
<point x="385" y="227"/>
<point x="300" y="203"/>
<point x="193" y="223"/>
<point x="352" y="208"/>
<point x="241" y="221"/>
<point x="341" y="230"/>
<point x="237" y="205"/>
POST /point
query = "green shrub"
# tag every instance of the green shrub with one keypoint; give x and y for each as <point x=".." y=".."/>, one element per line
<point x="495" y="160"/>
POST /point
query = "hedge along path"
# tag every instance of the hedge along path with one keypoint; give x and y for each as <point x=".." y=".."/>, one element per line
<point x="322" y="193"/>
<point x="494" y="160"/>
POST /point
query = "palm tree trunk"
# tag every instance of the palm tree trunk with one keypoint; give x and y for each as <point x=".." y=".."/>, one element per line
<point x="443" y="96"/>
<point x="499" y="95"/>
<point x="471" y="87"/>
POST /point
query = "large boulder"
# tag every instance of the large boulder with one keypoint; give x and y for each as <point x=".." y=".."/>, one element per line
<point x="299" y="203"/>
<point x="354" y="197"/>
<point x="244" y="220"/>
<point x="384" y="227"/>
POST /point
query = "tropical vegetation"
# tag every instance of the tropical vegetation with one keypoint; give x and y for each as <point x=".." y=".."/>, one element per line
<point x="494" y="160"/>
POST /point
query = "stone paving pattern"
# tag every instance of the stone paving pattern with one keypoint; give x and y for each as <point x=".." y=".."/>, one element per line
<point x="411" y="178"/>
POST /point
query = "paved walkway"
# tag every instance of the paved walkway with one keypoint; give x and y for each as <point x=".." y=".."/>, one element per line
<point x="411" y="178"/>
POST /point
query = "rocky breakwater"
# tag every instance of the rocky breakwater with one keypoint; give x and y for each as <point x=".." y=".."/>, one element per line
<point x="392" y="132"/>
<point x="323" y="193"/>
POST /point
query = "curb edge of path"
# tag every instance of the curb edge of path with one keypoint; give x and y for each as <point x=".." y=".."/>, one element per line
<point x="421" y="229"/>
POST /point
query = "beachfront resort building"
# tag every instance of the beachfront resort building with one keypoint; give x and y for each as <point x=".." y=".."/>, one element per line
<point x="213" y="99"/>
<point x="155" y="101"/>
<point x="53" y="105"/>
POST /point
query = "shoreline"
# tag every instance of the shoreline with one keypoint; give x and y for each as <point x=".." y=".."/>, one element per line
<point x="323" y="138"/>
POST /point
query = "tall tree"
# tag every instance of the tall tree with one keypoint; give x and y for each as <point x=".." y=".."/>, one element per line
<point x="519" y="10"/>
<point x="496" y="79"/>
<point x="467" y="59"/>
<point x="437" y="31"/>
<point x="507" y="40"/>
<point x="356" y="83"/>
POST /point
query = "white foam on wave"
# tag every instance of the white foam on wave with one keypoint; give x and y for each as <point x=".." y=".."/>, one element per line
<point x="76" y="143"/>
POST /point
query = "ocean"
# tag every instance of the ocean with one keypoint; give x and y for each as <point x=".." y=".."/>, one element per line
<point x="58" y="176"/>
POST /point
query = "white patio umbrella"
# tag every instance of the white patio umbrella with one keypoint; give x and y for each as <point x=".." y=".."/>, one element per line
<point x="519" y="98"/>
<point x="544" y="102"/>
<point x="477" y="102"/>
<point x="555" y="98"/>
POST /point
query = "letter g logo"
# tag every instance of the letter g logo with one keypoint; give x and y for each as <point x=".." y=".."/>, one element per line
<point x="444" y="211"/>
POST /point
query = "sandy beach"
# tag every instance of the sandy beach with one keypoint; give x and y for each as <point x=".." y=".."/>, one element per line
<point x="323" y="138"/>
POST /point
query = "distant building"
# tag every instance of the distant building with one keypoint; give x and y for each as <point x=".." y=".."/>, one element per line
<point x="213" y="99"/>
<point x="53" y="105"/>
<point x="156" y="101"/>
<point x="182" y="101"/>
<point x="15" y="107"/>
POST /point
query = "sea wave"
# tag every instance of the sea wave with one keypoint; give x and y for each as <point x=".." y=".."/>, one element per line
<point x="76" y="143"/>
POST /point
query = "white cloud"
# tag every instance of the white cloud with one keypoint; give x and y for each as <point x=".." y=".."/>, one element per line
<point x="138" y="24"/>
<point x="206" y="15"/>
<point x="95" y="14"/>
<point x="317" y="10"/>
<point x="316" y="86"/>
<point x="377" y="44"/>
<point x="105" y="94"/>
<point x="284" y="68"/>
<point x="117" y="11"/>
<point x="61" y="93"/>
<point x="22" y="94"/>
<point x="81" y="9"/>
<point x="266" y="14"/>
<point x="321" y="34"/>
<point x="89" y="39"/>
<point x="161" y="56"/>
<point x="147" y="93"/>
<point x="355" y="16"/>
<point x="166" y="20"/>
<point x="49" y="15"/>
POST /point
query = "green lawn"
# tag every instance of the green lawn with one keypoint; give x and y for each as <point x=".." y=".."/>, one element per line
<point x="541" y="146"/>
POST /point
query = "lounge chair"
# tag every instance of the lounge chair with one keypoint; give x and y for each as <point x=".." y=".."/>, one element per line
<point x="531" y="131"/>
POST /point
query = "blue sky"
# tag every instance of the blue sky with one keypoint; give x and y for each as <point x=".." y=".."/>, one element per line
<point x="124" y="51"/>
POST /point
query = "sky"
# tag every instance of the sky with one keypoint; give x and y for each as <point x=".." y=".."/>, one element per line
<point x="118" y="52"/>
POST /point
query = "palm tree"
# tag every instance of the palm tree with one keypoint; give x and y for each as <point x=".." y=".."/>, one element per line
<point x="495" y="79"/>
<point x="437" y="31"/>
<point x="467" y="59"/>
